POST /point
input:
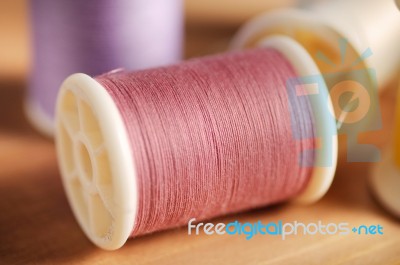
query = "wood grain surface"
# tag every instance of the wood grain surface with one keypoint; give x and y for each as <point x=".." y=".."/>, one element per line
<point x="37" y="226"/>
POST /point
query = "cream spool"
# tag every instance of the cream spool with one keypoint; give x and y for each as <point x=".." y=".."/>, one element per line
<point x="385" y="176"/>
<point x="365" y="24"/>
<point x="110" y="215"/>
<point x="354" y="54"/>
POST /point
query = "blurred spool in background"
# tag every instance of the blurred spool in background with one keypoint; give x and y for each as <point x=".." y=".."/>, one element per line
<point x="353" y="53"/>
<point x="385" y="177"/>
<point x="320" y="26"/>
<point x="93" y="37"/>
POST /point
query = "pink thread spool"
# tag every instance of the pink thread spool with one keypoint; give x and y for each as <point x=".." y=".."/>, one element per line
<point x="102" y="184"/>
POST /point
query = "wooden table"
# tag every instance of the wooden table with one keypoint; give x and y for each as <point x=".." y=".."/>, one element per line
<point x="37" y="226"/>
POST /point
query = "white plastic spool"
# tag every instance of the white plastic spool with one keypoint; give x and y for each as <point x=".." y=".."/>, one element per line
<point x="385" y="176"/>
<point x="96" y="161"/>
<point x="366" y="24"/>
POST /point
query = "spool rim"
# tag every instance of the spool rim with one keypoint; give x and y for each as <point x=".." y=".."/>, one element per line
<point x="98" y="178"/>
<point x="322" y="176"/>
<point x="294" y="19"/>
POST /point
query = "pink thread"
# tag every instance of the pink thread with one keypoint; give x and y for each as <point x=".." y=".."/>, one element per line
<point x="213" y="136"/>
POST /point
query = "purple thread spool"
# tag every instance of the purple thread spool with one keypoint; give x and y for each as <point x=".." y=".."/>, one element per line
<point x="96" y="36"/>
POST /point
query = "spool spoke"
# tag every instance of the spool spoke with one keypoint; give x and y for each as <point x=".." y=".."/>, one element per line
<point x="68" y="124"/>
<point x="89" y="125"/>
<point x="99" y="150"/>
<point x="70" y="114"/>
<point x="103" y="176"/>
<point x="80" y="118"/>
<point x="100" y="219"/>
<point x="66" y="145"/>
<point x="105" y="193"/>
<point x="78" y="195"/>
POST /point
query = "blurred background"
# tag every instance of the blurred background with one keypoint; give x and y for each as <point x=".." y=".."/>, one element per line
<point x="30" y="184"/>
<point x="14" y="40"/>
<point x="208" y="28"/>
<point x="206" y="20"/>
